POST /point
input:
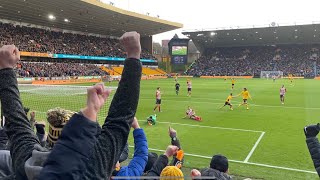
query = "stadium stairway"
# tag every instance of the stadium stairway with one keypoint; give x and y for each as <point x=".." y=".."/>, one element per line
<point x="150" y="71"/>
<point x="160" y="71"/>
<point x="117" y="70"/>
<point x="109" y="71"/>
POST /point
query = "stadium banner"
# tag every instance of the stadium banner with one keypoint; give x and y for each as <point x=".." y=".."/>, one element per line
<point x="70" y="56"/>
<point x="144" y="77"/>
<point x="34" y="54"/>
<point x="228" y="77"/>
<point x="25" y="80"/>
<point x="66" y="81"/>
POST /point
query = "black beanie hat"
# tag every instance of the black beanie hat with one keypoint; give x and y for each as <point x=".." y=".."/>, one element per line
<point x="220" y="163"/>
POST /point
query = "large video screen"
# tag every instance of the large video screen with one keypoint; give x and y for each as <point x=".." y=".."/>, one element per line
<point x="179" y="50"/>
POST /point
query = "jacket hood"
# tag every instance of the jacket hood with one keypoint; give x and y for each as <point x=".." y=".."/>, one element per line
<point x="34" y="164"/>
<point x="209" y="172"/>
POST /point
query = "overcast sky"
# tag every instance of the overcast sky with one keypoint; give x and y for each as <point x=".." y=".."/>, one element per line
<point x="207" y="14"/>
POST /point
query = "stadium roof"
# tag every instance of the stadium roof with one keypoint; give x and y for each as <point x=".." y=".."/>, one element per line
<point x="90" y="16"/>
<point x="273" y="35"/>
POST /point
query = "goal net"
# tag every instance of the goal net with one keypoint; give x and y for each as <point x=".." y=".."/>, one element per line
<point x="271" y="74"/>
<point x="41" y="98"/>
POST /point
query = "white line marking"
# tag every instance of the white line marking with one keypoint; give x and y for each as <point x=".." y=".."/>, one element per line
<point x="254" y="148"/>
<point x="213" y="127"/>
<point x="242" y="162"/>
<point x="258" y="105"/>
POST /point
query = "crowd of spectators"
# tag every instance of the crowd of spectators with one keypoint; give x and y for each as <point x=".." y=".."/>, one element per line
<point x="45" y="69"/>
<point x="298" y="60"/>
<point x="77" y="147"/>
<point x="40" y="40"/>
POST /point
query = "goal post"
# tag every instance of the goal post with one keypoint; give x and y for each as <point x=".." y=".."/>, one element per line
<point x="271" y="74"/>
<point x="41" y="98"/>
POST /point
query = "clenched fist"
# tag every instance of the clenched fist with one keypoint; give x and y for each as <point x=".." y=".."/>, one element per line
<point x="9" y="56"/>
<point x="131" y="43"/>
<point x="96" y="97"/>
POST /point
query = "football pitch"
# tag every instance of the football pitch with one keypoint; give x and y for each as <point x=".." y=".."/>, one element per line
<point x="264" y="142"/>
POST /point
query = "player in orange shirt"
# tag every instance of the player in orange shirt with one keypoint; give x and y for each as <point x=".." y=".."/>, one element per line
<point x="245" y="96"/>
<point x="233" y="81"/>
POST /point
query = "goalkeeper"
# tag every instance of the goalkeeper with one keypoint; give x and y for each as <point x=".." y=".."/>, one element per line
<point x="152" y="119"/>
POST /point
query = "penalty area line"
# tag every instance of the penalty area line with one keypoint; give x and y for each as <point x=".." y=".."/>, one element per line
<point x="254" y="147"/>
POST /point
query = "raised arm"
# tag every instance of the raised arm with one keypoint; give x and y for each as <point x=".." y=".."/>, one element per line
<point x="140" y="157"/>
<point x="70" y="154"/>
<point x="21" y="136"/>
<point x="116" y="128"/>
<point x="313" y="144"/>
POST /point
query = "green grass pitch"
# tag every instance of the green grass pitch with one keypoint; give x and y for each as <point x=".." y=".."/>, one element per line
<point x="281" y="152"/>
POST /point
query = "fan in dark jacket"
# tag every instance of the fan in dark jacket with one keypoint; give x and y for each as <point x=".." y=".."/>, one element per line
<point x="311" y="133"/>
<point x="174" y="151"/>
<point x="70" y="158"/>
<point x="162" y="161"/>
<point x="219" y="167"/>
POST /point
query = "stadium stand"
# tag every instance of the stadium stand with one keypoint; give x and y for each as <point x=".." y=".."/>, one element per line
<point x="241" y="61"/>
<point x="45" y="69"/>
<point x="249" y="51"/>
<point x="44" y="41"/>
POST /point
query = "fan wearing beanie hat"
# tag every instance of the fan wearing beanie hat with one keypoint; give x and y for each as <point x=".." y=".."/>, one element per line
<point x="218" y="169"/>
<point x="172" y="173"/>
<point x="220" y="163"/>
<point x="57" y="118"/>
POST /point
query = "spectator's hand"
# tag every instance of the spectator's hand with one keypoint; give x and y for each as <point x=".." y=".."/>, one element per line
<point x="96" y="97"/>
<point x="172" y="132"/>
<point x="195" y="173"/>
<point x="131" y="43"/>
<point x="171" y="150"/>
<point x="312" y="130"/>
<point x="32" y="115"/>
<point x="9" y="56"/>
<point x="135" y="123"/>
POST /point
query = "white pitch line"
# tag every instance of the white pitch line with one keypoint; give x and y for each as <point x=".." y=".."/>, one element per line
<point x="254" y="148"/>
<point x="242" y="162"/>
<point x="213" y="127"/>
<point x="258" y="105"/>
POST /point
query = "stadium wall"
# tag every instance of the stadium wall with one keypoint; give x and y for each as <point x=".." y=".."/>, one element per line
<point x="222" y="77"/>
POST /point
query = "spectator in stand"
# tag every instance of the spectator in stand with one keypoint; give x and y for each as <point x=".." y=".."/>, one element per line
<point x="162" y="161"/>
<point x="137" y="165"/>
<point x="219" y="167"/>
<point x="171" y="172"/>
<point x="69" y="159"/>
<point x="174" y="150"/>
<point x="40" y="128"/>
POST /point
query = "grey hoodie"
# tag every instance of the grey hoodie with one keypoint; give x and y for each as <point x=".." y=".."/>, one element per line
<point x="209" y="172"/>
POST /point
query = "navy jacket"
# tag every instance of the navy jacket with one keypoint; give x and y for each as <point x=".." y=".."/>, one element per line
<point x="140" y="157"/>
<point x="314" y="149"/>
